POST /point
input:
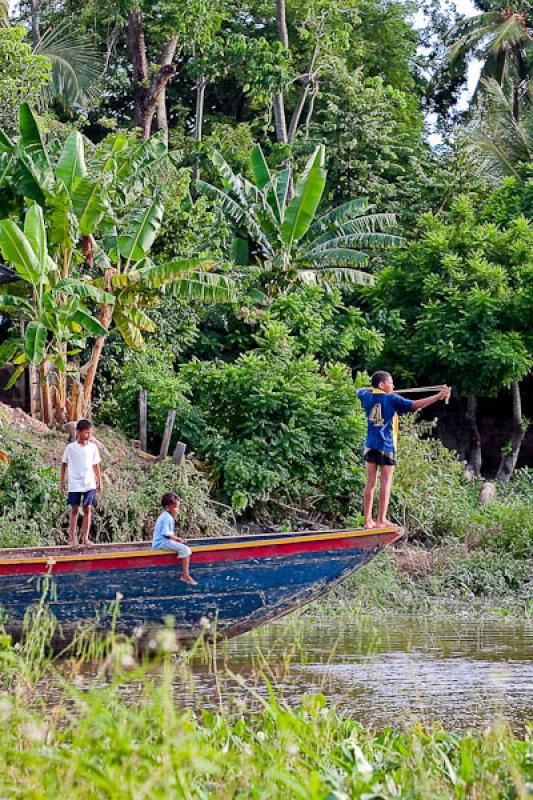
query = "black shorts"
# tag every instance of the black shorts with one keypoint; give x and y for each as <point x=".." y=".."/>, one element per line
<point x="380" y="458"/>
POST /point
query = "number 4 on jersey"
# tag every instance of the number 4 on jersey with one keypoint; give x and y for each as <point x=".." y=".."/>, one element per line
<point x="375" y="416"/>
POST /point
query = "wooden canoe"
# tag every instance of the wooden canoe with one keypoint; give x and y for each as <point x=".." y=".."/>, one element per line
<point x="243" y="581"/>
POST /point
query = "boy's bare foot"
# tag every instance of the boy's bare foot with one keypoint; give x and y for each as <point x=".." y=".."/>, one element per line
<point x="385" y="523"/>
<point x="369" y="524"/>
<point x="88" y="543"/>
<point x="188" y="580"/>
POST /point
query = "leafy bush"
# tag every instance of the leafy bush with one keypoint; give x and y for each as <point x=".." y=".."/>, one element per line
<point x="151" y="369"/>
<point x="35" y="482"/>
<point x="484" y="574"/>
<point x="504" y="527"/>
<point x="129" y="507"/>
<point x="275" y="424"/>
<point x="430" y="496"/>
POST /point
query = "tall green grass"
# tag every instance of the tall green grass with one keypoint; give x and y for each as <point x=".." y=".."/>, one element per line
<point x="119" y="733"/>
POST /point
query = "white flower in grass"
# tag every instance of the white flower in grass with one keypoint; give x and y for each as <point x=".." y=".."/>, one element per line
<point x="6" y="707"/>
<point x="33" y="732"/>
<point x="261" y="736"/>
<point x="363" y="765"/>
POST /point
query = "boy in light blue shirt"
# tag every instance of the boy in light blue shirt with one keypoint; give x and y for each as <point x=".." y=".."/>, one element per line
<point x="166" y="539"/>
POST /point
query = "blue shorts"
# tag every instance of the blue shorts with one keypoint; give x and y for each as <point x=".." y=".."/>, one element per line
<point x="181" y="550"/>
<point x="87" y="498"/>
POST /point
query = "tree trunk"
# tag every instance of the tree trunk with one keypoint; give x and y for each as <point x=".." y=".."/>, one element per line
<point x="516" y="102"/>
<point x="304" y="91"/>
<point x="167" y="56"/>
<point x="46" y="397"/>
<point x="474" y="458"/>
<point x="106" y="316"/>
<point x="35" y="21"/>
<point x="201" y="84"/>
<point x="35" y="391"/>
<point x="147" y="94"/>
<point x="512" y="450"/>
<point x="105" y="319"/>
<point x="278" y="102"/>
<point x="281" y="20"/>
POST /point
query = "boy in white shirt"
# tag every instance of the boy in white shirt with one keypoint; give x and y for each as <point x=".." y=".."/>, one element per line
<point x="81" y="460"/>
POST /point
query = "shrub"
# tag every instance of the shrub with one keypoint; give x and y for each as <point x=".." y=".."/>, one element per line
<point x="277" y="425"/>
<point x="484" y="574"/>
<point x="430" y="495"/>
<point x="151" y="369"/>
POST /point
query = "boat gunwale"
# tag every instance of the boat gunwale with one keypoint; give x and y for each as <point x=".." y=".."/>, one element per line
<point x="97" y="553"/>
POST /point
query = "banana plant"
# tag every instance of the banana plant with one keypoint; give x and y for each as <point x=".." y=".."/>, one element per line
<point x="77" y="194"/>
<point x="53" y="308"/>
<point x="137" y="283"/>
<point x="111" y="208"/>
<point x="282" y="231"/>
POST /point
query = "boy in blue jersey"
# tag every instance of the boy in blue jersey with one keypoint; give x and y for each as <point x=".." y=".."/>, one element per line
<point x="166" y="539"/>
<point x="382" y="407"/>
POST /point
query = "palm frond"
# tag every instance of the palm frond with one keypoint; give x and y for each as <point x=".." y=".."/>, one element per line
<point x="341" y="213"/>
<point x="471" y="31"/>
<point x="157" y="275"/>
<point x="335" y="277"/>
<point x="205" y="288"/>
<point x="337" y="256"/>
<point x="369" y="223"/>
<point x="509" y="33"/>
<point x="498" y="142"/>
<point x="239" y="216"/>
<point x="77" y="66"/>
<point x="371" y="241"/>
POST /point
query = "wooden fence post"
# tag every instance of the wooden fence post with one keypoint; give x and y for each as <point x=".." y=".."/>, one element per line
<point x="143" y="420"/>
<point x="179" y="453"/>
<point x="165" y="444"/>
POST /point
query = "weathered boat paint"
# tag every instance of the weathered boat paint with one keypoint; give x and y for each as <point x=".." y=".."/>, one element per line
<point x="243" y="581"/>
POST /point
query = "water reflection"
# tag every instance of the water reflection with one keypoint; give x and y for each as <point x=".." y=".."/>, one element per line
<point x="386" y="670"/>
<point x="399" y="669"/>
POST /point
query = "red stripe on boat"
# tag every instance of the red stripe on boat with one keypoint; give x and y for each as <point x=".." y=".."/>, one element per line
<point x="204" y="557"/>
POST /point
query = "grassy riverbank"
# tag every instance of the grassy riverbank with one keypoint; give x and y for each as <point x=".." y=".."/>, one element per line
<point x="118" y="733"/>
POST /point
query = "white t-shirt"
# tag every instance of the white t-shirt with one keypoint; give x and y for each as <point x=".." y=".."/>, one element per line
<point x="80" y="460"/>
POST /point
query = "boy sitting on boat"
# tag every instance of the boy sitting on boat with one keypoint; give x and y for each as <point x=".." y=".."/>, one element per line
<point x="382" y="407"/>
<point x="81" y="460"/>
<point x="166" y="539"/>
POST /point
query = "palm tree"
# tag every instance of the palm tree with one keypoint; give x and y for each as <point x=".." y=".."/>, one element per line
<point x="284" y="235"/>
<point x="77" y="66"/>
<point x="503" y="39"/>
<point x="4" y="13"/>
<point x="498" y="141"/>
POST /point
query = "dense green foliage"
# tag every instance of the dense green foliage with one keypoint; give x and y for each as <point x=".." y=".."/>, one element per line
<point x="23" y="75"/>
<point x="462" y="292"/>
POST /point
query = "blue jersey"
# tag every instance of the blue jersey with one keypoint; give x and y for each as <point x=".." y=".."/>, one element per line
<point x="381" y="411"/>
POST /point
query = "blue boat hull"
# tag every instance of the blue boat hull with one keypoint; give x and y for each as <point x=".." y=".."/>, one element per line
<point x="237" y="589"/>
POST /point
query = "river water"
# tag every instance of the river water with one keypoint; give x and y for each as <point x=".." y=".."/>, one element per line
<point x="391" y="670"/>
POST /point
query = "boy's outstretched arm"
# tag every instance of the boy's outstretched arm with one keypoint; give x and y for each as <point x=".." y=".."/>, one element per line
<point x="428" y="401"/>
